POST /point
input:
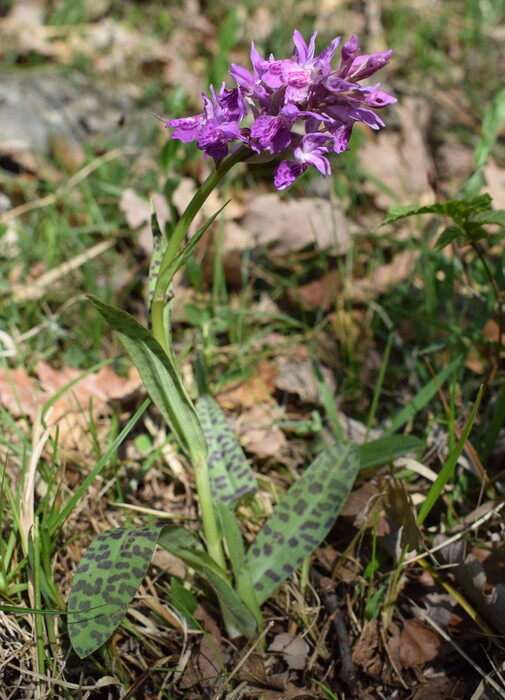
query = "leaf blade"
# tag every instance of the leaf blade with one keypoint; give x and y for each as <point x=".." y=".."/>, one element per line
<point x="231" y="476"/>
<point x="159" y="375"/>
<point x="295" y="529"/>
<point x="99" y="599"/>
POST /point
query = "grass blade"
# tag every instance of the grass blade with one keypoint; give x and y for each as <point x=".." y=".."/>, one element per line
<point x="448" y="469"/>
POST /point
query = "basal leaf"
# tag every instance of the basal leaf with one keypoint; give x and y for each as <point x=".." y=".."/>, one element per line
<point x="187" y="546"/>
<point x="105" y="583"/>
<point x="231" y="477"/>
<point x="302" y="518"/>
<point x="159" y="375"/>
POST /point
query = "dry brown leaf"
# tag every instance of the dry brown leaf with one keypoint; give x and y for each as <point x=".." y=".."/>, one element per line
<point x="419" y="644"/>
<point x="246" y="394"/>
<point x="19" y="394"/>
<point x="384" y="278"/>
<point x="401" y="515"/>
<point x="28" y="12"/>
<point x="488" y="597"/>
<point x="137" y="211"/>
<point x="259" y="433"/>
<point x="295" y="650"/>
<point x="400" y="159"/>
<point x="94" y="390"/>
<point x="367" y="653"/>
<point x="297" y="377"/>
<point x="495" y="183"/>
<point x="287" y="225"/>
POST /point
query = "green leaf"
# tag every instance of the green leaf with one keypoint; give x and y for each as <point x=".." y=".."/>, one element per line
<point x="105" y="583"/>
<point x="385" y="449"/>
<point x="160" y="377"/>
<point x="233" y="538"/>
<point x="184" y="601"/>
<point x="187" y="546"/>
<point x="302" y="519"/>
<point x="448" y="235"/>
<point x="489" y="216"/>
<point x="457" y="209"/>
<point x="244" y="620"/>
<point x="159" y="247"/>
<point x="231" y="476"/>
<point x="422" y="398"/>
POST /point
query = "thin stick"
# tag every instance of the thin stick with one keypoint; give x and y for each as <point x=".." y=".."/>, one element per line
<point x="242" y="661"/>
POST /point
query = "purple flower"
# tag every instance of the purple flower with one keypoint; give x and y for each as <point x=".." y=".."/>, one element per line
<point x="217" y="126"/>
<point x="310" y="151"/>
<point x="284" y="98"/>
<point x="274" y="133"/>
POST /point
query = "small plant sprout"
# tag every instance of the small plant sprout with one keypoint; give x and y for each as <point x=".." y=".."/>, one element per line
<point x="299" y="110"/>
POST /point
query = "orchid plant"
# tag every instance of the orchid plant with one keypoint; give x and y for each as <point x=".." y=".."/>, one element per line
<point x="298" y="107"/>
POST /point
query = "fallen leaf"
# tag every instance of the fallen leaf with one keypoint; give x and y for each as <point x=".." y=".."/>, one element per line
<point x="367" y="653"/>
<point x="419" y="644"/>
<point x="287" y="225"/>
<point x="384" y="278"/>
<point x="388" y="158"/>
<point x="494" y="176"/>
<point x="251" y="391"/>
<point x="258" y="432"/>
<point x="297" y="377"/>
<point x="471" y="575"/>
<point x="295" y="650"/>
<point x="137" y="212"/>
<point x="19" y="394"/>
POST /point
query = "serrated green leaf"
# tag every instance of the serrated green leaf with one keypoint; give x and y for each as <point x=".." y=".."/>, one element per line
<point x="448" y="235"/>
<point x="457" y="209"/>
<point x="105" y="583"/>
<point x="302" y="519"/>
<point x="231" y="476"/>
<point x="489" y="216"/>
<point x="381" y="451"/>
<point x="159" y="375"/>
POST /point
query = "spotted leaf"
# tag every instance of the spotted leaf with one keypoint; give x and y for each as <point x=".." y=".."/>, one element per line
<point x="231" y="477"/>
<point x="302" y="519"/>
<point x="105" y="583"/>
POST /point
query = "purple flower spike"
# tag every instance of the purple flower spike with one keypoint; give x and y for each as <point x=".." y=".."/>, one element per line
<point x="283" y="99"/>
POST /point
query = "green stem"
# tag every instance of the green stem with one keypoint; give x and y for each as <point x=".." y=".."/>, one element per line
<point x="210" y="527"/>
<point x="177" y="238"/>
<point x="161" y="333"/>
